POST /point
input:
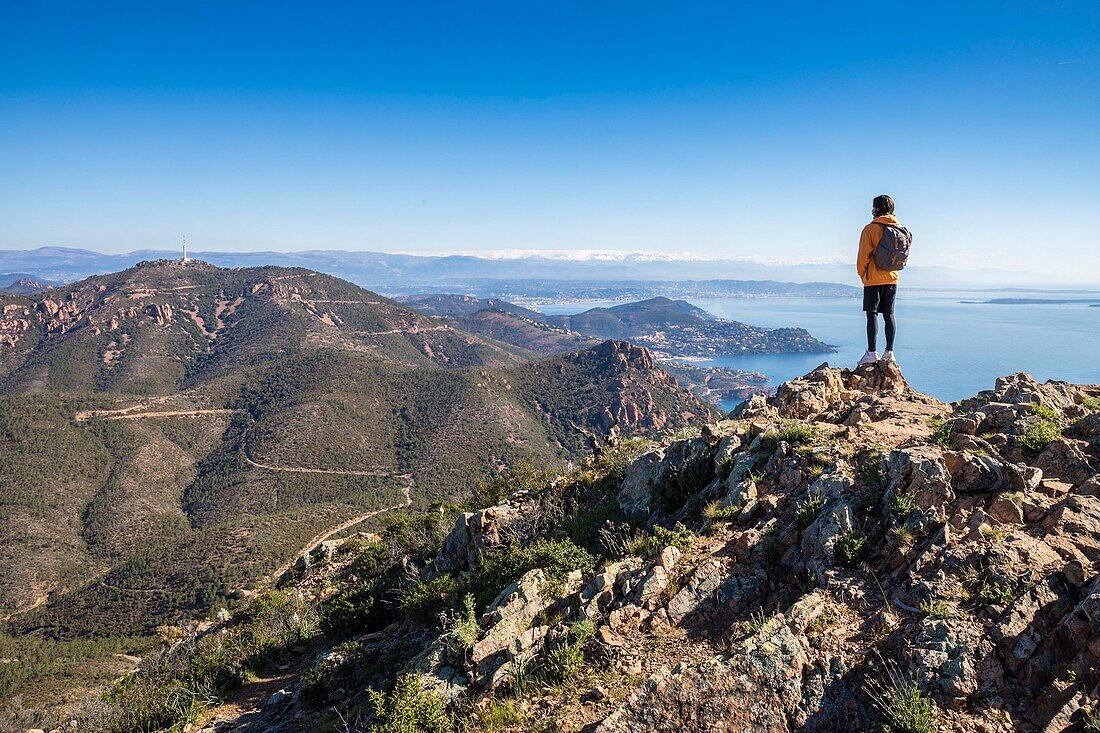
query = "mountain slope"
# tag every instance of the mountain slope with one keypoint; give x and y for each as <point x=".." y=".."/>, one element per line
<point x="162" y="326"/>
<point x="847" y="555"/>
<point x="175" y="433"/>
<point x="457" y="306"/>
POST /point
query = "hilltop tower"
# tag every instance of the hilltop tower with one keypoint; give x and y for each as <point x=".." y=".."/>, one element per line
<point x="185" y="259"/>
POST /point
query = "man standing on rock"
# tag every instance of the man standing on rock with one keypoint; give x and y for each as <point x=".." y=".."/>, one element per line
<point x="883" y="251"/>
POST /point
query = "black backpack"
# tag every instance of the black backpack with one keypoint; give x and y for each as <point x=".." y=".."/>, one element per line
<point x="892" y="251"/>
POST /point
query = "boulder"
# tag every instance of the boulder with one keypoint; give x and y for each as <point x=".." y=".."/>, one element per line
<point x="1065" y="459"/>
<point x="920" y="472"/>
<point x="643" y="473"/>
<point x="474" y="533"/>
<point x="507" y="623"/>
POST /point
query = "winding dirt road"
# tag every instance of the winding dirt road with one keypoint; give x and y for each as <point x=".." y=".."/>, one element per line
<point x="327" y="471"/>
<point x="343" y="526"/>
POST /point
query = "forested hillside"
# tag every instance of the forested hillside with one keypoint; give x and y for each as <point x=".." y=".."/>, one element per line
<point x="176" y="433"/>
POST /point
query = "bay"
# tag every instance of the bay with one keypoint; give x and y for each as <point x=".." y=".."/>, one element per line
<point x="946" y="348"/>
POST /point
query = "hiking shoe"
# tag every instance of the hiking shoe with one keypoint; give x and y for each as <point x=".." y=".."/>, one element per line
<point x="888" y="356"/>
<point x="869" y="358"/>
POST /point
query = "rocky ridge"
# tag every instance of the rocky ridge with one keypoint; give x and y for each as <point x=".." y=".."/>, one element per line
<point x="845" y="555"/>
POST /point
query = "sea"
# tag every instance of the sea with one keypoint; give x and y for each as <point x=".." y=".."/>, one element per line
<point x="949" y="344"/>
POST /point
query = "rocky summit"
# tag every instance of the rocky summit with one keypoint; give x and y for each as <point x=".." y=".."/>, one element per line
<point x="845" y="555"/>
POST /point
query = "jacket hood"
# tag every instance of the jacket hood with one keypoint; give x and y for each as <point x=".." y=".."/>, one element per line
<point x="887" y="219"/>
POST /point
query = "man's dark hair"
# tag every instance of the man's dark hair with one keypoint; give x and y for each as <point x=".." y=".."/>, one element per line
<point x="882" y="205"/>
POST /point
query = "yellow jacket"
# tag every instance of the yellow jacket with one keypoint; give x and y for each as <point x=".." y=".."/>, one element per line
<point x="865" y="260"/>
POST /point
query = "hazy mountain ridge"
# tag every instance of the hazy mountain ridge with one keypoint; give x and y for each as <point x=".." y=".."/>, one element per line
<point x="524" y="276"/>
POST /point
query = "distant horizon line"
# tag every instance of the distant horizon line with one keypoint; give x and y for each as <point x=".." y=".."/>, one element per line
<point x="562" y="255"/>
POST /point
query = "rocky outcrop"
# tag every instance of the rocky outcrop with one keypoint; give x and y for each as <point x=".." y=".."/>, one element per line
<point x="832" y="394"/>
<point x="475" y="533"/>
<point x="767" y="683"/>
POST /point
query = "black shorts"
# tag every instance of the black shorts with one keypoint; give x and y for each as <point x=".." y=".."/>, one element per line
<point x="879" y="298"/>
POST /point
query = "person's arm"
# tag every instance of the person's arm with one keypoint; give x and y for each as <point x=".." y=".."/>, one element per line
<point x="866" y="246"/>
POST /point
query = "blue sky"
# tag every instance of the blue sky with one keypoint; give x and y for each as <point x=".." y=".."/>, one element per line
<point x="717" y="129"/>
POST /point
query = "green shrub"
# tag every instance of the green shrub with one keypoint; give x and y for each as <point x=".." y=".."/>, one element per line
<point x="870" y="501"/>
<point x="371" y="561"/>
<point x="1038" y="436"/>
<point x="564" y="661"/>
<point x="901" y="704"/>
<point x="849" y="548"/>
<point x="872" y="471"/>
<point x="1047" y="413"/>
<point x="937" y="609"/>
<point x="714" y="512"/>
<point x="426" y="600"/>
<point x="760" y="620"/>
<point x="809" y="509"/>
<point x="351" y="609"/>
<point x="498" y="569"/>
<point x="941" y="432"/>
<point x="1092" y="403"/>
<point x="679" y="537"/>
<point x="680" y="484"/>
<point x="409" y="708"/>
<point x="994" y="593"/>
<point x="795" y="432"/>
<point x="902" y="505"/>
<point x="466" y="628"/>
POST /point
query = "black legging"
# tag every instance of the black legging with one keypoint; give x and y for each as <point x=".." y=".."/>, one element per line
<point x="872" y="330"/>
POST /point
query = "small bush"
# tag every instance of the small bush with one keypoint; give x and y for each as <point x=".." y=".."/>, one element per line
<point x="872" y="471"/>
<point x="900" y="702"/>
<point x="622" y="540"/>
<point x="809" y="509"/>
<point x="849" y="548"/>
<point x="941" y="432"/>
<point x="425" y="601"/>
<point x="773" y="546"/>
<point x="714" y="513"/>
<point x="466" y="627"/>
<point x="1092" y="403"/>
<point x="795" y="433"/>
<point x="1047" y="413"/>
<point x="760" y="620"/>
<point x="680" y="484"/>
<point x="497" y="714"/>
<point x="565" y="661"/>
<point x="994" y="593"/>
<point x="902" y="505"/>
<point x="354" y="608"/>
<point x="498" y="569"/>
<point x="991" y="533"/>
<point x="870" y="501"/>
<point x="409" y="708"/>
<point x="937" y="609"/>
<point x="371" y="561"/>
<point x="679" y="537"/>
<point x="1038" y="436"/>
<point x="901" y="535"/>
